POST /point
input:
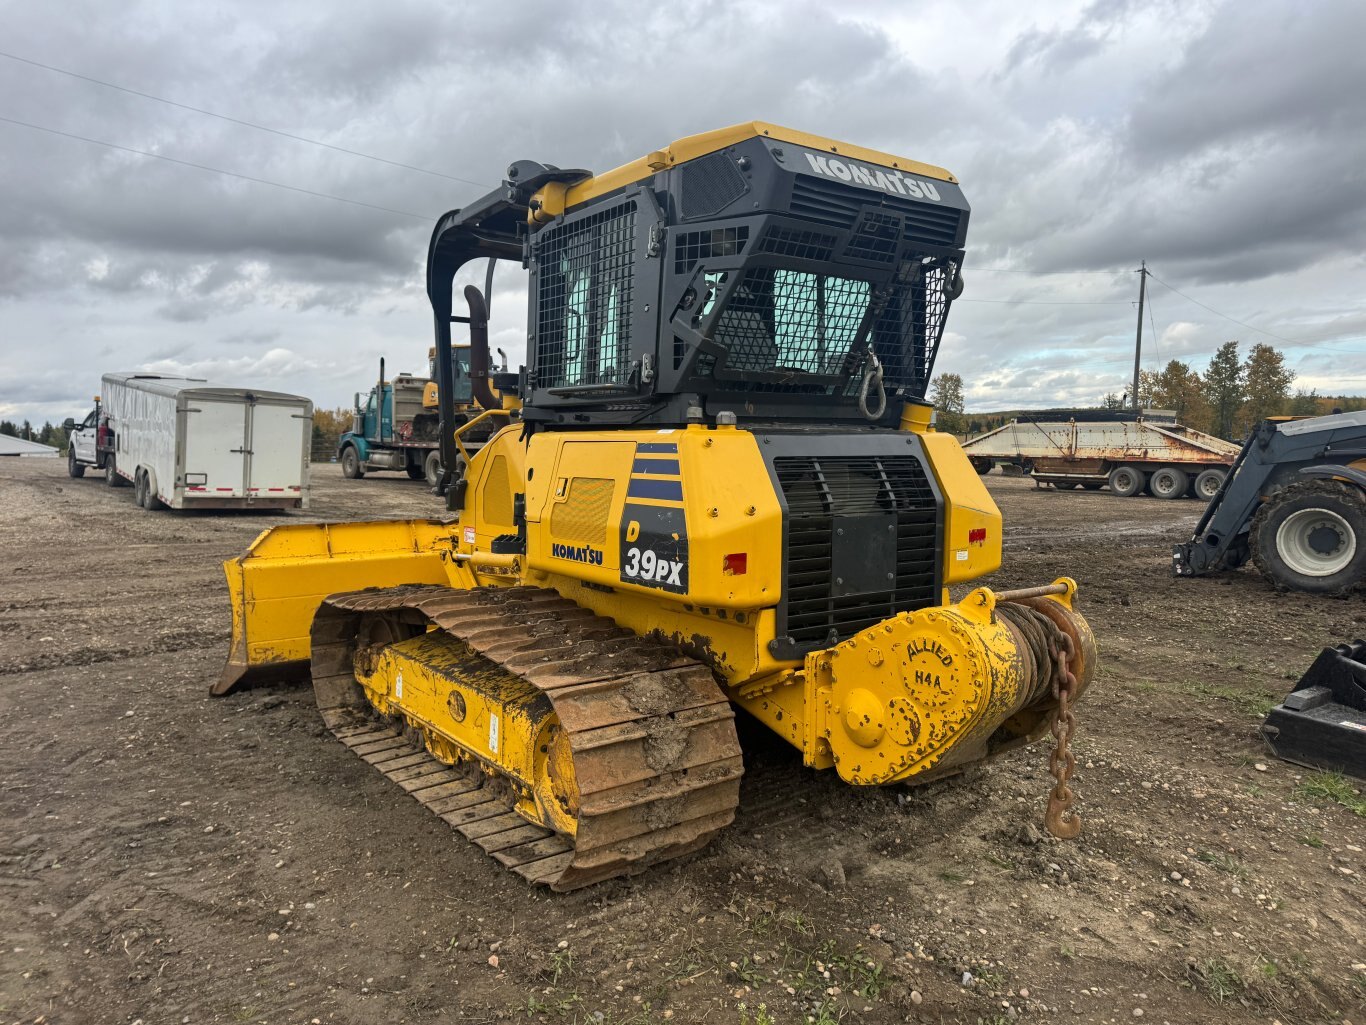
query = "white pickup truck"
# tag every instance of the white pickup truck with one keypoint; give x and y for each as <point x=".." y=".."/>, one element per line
<point x="185" y="444"/>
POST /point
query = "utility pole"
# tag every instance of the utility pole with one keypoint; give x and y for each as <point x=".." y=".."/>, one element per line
<point x="1138" y="340"/>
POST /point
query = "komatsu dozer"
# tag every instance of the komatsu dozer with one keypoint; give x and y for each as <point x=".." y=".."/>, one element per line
<point x="715" y="485"/>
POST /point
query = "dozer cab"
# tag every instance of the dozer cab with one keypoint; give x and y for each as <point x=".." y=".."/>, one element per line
<point x="715" y="485"/>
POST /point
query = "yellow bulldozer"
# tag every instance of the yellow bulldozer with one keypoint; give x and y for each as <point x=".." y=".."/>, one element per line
<point x="715" y="485"/>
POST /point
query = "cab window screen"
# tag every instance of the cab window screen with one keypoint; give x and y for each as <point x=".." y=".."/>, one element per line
<point x="584" y="300"/>
<point x="778" y="320"/>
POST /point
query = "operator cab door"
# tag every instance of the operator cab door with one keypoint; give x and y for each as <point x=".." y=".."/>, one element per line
<point x="83" y="438"/>
<point x="215" y="448"/>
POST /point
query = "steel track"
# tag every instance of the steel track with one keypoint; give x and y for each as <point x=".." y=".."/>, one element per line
<point x="652" y="736"/>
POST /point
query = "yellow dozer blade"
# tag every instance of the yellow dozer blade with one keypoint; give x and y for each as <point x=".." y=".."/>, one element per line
<point x="277" y="586"/>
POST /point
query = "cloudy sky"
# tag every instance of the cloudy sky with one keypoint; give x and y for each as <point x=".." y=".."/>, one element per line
<point x="1222" y="142"/>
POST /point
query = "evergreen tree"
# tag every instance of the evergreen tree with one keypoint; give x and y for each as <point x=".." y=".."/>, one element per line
<point x="1266" y="387"/>
<point x="7" y="427"/>
<point x="946" y="395"/>
<point x="1224" y="389"/>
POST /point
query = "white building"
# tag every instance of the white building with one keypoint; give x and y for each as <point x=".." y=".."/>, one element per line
<point x="10" y="446"/>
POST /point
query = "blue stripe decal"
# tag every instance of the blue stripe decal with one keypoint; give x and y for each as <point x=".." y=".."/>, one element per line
<point x="657" y="448"/>
<point x="667" y="490"/>
<point x="665" y="467"/>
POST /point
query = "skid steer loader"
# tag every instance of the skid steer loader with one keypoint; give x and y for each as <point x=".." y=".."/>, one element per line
<point x="715" y="485"/>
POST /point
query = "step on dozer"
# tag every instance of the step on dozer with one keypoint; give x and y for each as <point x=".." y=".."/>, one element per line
<point x="1322" y="722"/>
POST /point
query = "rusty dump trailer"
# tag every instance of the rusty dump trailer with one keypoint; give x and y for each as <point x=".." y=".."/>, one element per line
<point x="1127" y="452"/>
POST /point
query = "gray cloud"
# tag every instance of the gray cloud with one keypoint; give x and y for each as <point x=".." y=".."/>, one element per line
<point x="1221" y="141"/>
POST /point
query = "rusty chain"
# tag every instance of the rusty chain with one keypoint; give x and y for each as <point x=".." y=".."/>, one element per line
<point x="1060" y="819"/>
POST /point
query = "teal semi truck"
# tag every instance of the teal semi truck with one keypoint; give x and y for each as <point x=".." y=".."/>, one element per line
<point x="396" y="426"/>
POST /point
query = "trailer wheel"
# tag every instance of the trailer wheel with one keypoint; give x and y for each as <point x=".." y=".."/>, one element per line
<point x="1126" y="481"/>
<point x="1208" y="483"/>
<point x="111" y="472"/>
<point x="351" y="468"/>
<point x="1169" y="482"/>
<point x="431" y="467"/>
<point x="1312" y="537"/>
<point x="73" y="468"/>
<point x="982" y="465"/>
<point x="1092" y="485"/>
<point x="145" y="494"/>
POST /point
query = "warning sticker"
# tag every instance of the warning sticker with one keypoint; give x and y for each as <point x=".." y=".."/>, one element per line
<point x="469" y="535"/>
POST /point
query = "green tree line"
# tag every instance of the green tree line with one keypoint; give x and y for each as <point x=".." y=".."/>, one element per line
<point x="1234" y="394"/>
<point x="1231" y="395"/>
<point x="45" y="435"/>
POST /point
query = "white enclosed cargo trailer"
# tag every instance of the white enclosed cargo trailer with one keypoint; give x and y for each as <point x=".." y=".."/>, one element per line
<point x="184" y="443"/>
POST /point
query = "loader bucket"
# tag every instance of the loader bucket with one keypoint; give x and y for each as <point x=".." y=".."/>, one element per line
<point x="1322" y="722"/>
<point x="276" y="587"/>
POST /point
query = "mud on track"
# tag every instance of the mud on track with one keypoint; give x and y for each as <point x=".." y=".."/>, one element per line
<point x="168" y="857"/>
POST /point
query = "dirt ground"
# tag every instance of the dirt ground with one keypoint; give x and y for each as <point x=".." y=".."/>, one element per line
<point x="167" y="857"/>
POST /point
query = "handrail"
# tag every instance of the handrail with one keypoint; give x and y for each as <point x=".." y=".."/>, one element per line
<point x="464" y="453"/>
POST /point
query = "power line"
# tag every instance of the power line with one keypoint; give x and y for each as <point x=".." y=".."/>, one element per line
<point x="1049" y="302"/>
<point x="239" y="121"/>
<point x="1039" y="273"/>
<point x="1157" y="355"/>
<point x="1232" y="320"/>
<point x="214" y="170"/>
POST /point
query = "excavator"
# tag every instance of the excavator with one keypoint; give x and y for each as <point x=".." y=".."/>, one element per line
<point x="715" y="485"/>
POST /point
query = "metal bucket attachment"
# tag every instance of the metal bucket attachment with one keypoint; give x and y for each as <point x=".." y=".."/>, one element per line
<point x="1322" y="722"/>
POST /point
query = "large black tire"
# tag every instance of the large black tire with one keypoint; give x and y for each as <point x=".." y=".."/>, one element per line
<point x="415" y="471"/>
<point x="1092" y="485"/>
<point x="982" y="464"/>
<point x="73" y="468"/>
<point x="1126" y="481"/>
<point x="140" y="489"/>
<point x="1207" y="484"/>
<point x="1168" y="482"/>
<point x="1311" y="537"/>
<point x="351" y="467"/>
<point x="111" y="472"/>
<point x="431" y="467"/>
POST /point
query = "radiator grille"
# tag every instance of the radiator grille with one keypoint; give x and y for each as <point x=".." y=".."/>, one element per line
<point x="584" y="300"/>
<point x="835" y="203"/>
<point x="819" y="489"/>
